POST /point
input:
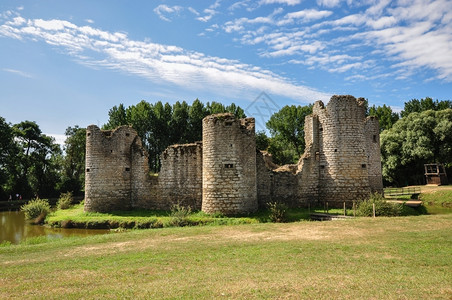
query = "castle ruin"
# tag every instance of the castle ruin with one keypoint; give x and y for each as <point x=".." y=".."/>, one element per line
<point x="224" y="173"/>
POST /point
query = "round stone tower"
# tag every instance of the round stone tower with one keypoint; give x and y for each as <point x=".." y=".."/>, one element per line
<point x="344" y="174"/>
<point x="108" y="168"/>
<point x="229" y="165"/>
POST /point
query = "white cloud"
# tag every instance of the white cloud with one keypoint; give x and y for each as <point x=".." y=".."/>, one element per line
<point x="164" y="11"/>
<point x="209" y="12"/>
<point x="287" y="2"/>
<point x="407" y="35"/>
<point x="162" y="64"/>
<point x="306" y="15"/>
<point x="193" y="11"/>
<point x="89" y="21"/>
<point x="329" y="3"/>
<point x="18" y="72"/>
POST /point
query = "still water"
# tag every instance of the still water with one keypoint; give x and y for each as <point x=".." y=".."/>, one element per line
<point x="14" y="228"/>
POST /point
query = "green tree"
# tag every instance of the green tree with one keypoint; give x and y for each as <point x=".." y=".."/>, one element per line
<point x="196" y="113"/>
<point x="8" y="151"/>
<point x="415" y="105"/>
<point x="179" y="123"/>
<point x="37" y="161"/>
<point x="386" y="117"/>
<point x="413" y="141"/>
<point x="117" y="117"/>
<point x="140" y="117"/>
<point x="287" y="130"/>
<point x="73" y="174"/>
<point x="262" y="141"/>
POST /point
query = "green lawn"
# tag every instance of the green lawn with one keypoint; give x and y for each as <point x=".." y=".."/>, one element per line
<point x="364" y="258"/>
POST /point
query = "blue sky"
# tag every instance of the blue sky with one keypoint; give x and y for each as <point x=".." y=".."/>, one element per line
<point x="66" y="63"/>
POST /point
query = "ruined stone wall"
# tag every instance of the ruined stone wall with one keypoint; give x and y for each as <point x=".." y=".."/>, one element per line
<point x="274" y="183"/>
<point x="229" y="165"/>
<point x="108" y="169"/>
<point x="309" y="164"/>
<point x="372" y="136"/>
<point x="264" y="180"/>
<point x="343" y="159"/>
<point x="141" y="183"/>
<point x="180" y="178"/>
<point x="226" y="174"/>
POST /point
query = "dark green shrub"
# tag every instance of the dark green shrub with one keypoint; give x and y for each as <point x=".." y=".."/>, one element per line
<point x="382" y="207"/>
<point x="278" y="212"/>
<point x="65" y="200"/>
<point x="36" y="210"/>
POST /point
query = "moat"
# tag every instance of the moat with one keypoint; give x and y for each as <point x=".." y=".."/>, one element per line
<point x="15" y="229"/>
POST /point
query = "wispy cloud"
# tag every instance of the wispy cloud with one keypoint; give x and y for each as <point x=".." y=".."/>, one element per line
<point x="286" y="2"/>
<point x="165" y="12"/>
<point x="18" y="72"/>
<point x="209" y="12"/>
<point x="162" y="64"/>
<point x="407" y="35"/>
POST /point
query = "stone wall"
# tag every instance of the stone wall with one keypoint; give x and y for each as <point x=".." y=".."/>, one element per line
<point x="108" y="169"/>
<point x="226" y="174"/>
<point x="180" y="178"/>
<point x="229" y="165"/>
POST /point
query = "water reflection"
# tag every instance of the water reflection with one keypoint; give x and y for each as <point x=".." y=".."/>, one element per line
<point x="14" y="228"/>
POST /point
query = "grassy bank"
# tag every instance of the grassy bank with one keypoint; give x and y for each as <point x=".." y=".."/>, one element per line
<point x="382" y="258"/>
<point x="75" y="217"/>
<point x="437" y="196"/>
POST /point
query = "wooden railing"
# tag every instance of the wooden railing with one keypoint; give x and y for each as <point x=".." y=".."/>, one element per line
<point x="392" y="192"/>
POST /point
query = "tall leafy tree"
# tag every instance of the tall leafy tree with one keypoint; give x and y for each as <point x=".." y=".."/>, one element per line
<point x="415" y="105"/>
<point x="36" y="161"/>
<point x="117" y="117"/>
<point x="8" y="151"/>
<point x="196" y="113"/>
<point x="287" y="131"/>
<point x="179" y="123"/>
<point x="413" y="141"/>
<point x="73" y="174"/>
<point x="262" y="140"/>
<point x="386" y="117"/>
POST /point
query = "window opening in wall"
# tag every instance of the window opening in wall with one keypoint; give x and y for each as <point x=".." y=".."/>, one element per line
<point x="111" y="151"/>
<point x="228" y="166"/>
<point x="127" y="134"/>
<point x="321" y="129"/>
<point x="127" y="169"/>
<point x="335" y="150"/>
<point x="375" y="138"/>
<point x="88" y="134"/>
<point x="87" y="169"/>
<point x="322" y="167"/>
<point x="363" y="166"/>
